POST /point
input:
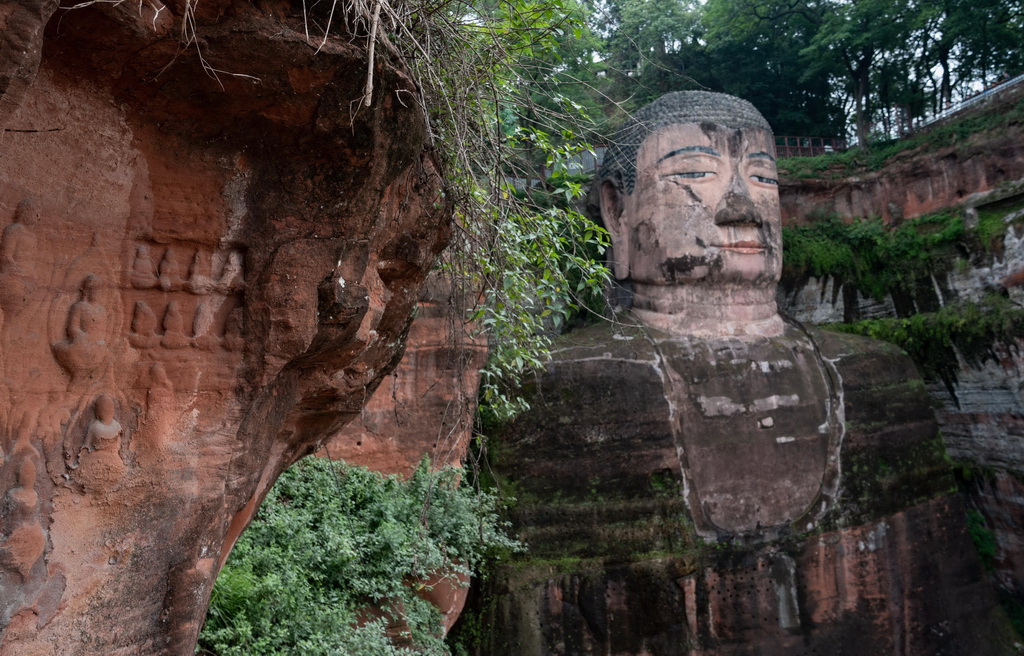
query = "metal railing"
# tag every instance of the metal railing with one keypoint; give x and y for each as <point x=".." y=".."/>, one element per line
<point x="973" y="100"/>
<point x="808" y="146"/>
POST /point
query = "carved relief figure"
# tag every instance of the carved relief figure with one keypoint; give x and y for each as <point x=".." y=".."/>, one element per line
<point x="174" y="328"/>
<point x="143" y="275"/>
<point x="202" y="328"/>
<point x="144" y="324"/>
<point x="25" y="541"/>
<point x="19" y="241"/>
<point x="199" y="282"/>
<point x="17" y="248"/>
<point x="170" y="276"/>
<point x="233" y="340"/>
<point x="100" y="459"/>
<point x="84" y="350"/>
<point x="231" y="279"/>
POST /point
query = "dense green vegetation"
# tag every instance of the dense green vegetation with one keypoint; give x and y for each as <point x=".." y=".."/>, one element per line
<point x="813" y="67"/>
<point x="901" y="262"/>
<point x="875" y="258"/>
<point x="330" y="544"/>
<point x="930" y="338"/>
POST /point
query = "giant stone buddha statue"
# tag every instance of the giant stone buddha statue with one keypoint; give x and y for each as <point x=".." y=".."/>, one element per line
<point x="704" y="476"/>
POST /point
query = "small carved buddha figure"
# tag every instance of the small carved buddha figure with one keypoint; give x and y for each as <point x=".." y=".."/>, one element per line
<point x="26" y="540"/>
<point x="84" y="350"/>
<point x="198" y="281"/>
<point x="174" y="328"/>
<point x="170" y="275"/>
<point x="204" y="336"/>
<point x="100" y="459"/>
<point x="17" y="250"/>
<point x="144" y="324"/>
<point x="143" y="275"/>
<point x="231" y="277"/>
<point x="18" y="242"/>
<point x="233" y="340"/>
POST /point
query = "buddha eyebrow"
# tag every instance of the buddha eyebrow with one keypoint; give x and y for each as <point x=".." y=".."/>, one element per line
<point x="762" y="155"/>
<point x="689" y="149"/>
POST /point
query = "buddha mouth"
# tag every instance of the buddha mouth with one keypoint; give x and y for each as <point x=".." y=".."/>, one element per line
<point x="748" y="247"/>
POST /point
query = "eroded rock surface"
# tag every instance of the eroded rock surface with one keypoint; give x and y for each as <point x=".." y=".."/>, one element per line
<point x="210" y="255"/>
<point x="426" y="405"/>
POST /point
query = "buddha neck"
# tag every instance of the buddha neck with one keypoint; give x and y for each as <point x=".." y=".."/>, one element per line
<point x="699" y="311"/>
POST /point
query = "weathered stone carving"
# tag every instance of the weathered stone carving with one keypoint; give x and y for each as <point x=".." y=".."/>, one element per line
<point x="690" y="198"/>
<point x="198" y="281"/>
<point x="144" y="324"/>
<point x="174" y="328"/>
<point x="233" y="340"/>
<point x="724" y="460"/>
<point x="85" y="349"/>
<point x="19" y="239"/>
<point x="17" y="247"/>
<point x="99" y="462"/>
<point x="170" y="278"/>
<point x="202" y="328"/>
<point x="143" y="274"/>
<point x="231" y="279"/>
<point x="24" y="541"/>
<point x="177" y="164"/>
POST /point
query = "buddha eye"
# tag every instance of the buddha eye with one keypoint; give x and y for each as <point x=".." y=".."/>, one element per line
<point x="691" y="175"/>
<point x="764" y="180"/>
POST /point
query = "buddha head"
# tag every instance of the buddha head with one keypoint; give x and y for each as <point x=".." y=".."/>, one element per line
<point x="689" y="194"/>
<point x="27" y="212"/>
<point x="104" y="408"/>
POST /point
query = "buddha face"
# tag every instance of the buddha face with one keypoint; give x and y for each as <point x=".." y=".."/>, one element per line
<point x="704" y="211"/>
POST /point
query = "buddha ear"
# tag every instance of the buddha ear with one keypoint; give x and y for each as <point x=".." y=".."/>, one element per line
<point x="612" y="209"/>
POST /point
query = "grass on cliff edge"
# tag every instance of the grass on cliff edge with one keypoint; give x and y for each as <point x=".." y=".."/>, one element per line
<point x="335" y="559"/>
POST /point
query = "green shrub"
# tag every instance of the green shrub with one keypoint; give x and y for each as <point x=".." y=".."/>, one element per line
<point x="983" y="537"/>
<point x="332" y="542"/>
<point x="875" y="258"/>
<point x="933" y="339"/>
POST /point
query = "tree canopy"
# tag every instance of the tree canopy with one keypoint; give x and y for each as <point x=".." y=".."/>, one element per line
<point x="813" y="67"/>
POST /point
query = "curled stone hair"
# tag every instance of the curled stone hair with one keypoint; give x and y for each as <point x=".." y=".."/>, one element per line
<point x="671" y="109"/>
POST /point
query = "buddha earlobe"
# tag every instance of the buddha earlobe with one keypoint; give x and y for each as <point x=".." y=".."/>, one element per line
<point x="611" y="212"/>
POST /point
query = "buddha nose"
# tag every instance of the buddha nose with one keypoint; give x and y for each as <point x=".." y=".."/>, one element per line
<point x="736" y="208"/>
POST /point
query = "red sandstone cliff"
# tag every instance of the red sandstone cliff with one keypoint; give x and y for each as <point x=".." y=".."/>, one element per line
<point x="918" y="181"/>
<point x="214" y="270"/>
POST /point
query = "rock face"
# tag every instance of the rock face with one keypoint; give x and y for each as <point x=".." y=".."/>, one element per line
<point x="980" y="409"/>
<point x="426" y="405"/>
<point x="912" y="185"/>
<point x="209" y="258"/>
<point x="635" y="551"/>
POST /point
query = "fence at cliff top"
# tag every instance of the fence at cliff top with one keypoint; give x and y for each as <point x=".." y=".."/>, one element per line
<point x="985" y="95"/>
<point x="808" y="146"/>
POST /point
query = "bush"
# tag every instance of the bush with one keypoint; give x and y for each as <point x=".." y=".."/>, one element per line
<point x="331" y="543"/>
